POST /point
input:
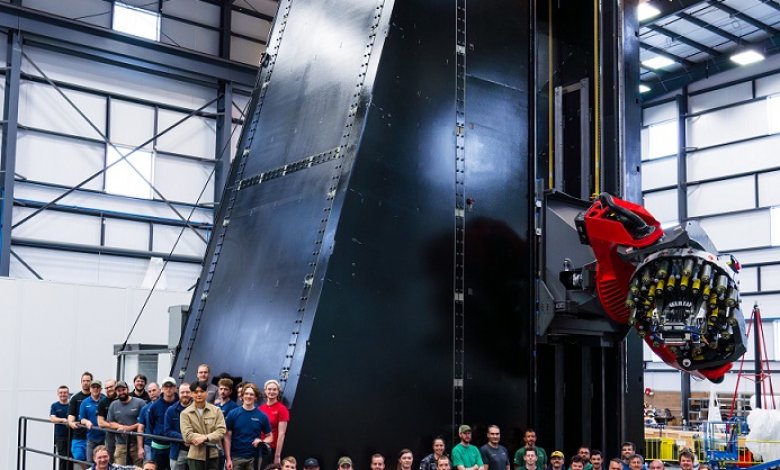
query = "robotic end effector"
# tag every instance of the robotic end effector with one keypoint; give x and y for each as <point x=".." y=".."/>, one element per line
<point x="680" y="297"/>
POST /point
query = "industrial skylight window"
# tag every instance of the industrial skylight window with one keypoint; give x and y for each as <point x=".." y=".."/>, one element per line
<point x="136" y="21"/>
<point x="122" y="179"/>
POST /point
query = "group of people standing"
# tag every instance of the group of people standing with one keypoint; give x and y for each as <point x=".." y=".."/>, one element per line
<point x="195" y="426"/>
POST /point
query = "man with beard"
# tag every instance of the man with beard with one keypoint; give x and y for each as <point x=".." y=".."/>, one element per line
<point x="110" y="391"/>
<point x="123" y="417"/>
<point x="139" y="388"/>
<point x="529" y="440"/>
<point x="225" y="391"/>
<point x="464" y="455"/>
<point x="178" y="452"/>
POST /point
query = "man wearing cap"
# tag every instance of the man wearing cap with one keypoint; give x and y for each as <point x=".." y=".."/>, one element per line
<point x="345" y="463"/>
<point x="529" y="439"/>
<point x="178" y="452"/>
<point x="110" y="392"/>
<point x="88" y="417"/>
<point x="155" y="423"/>
<point x="202" y="423"/>
<point x="123" y="417"/>
<point x="78" y="444"/>
<point x="311" y="464"/>
<point x="556" y="460"/>
<point x="464" y="455"/>
<point x="494" y="455"/>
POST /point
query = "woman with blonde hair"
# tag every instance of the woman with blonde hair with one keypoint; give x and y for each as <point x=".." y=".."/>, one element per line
<point x="278" y="414"/>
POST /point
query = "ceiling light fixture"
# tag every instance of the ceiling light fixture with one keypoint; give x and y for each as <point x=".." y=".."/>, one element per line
<point x="657" y="62"/>
<point x="747" y="57"/>
<point x="645" y="11"/>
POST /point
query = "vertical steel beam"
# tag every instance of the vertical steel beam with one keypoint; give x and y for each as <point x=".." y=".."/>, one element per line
<point x="682" y="157"/>
<point x="224" y="106"/>
<point x="685" y="395"/>
<point x="586" y="382"/>
<point x="560" y="395"/>
<point x="758" y="354"/>
<point x="586" y="169"/>
<point x="223" y="140"/>
<point x="8" y="158"/>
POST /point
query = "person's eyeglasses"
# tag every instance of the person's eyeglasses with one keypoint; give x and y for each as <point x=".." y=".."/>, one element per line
<point x="346" y="465"/>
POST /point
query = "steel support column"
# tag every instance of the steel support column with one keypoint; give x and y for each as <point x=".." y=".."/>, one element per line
<point x="685" y="395"/>
<point x="682" y="160"/>
<point x="224" y="108"/>
<point x="8" y="158"/>
<point x="223" y="141"/>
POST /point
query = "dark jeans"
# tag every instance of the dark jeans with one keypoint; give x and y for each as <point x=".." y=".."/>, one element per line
<point x="201" y="464"/>
<point x="162" y="459"/>
<point x="61" y="447"/>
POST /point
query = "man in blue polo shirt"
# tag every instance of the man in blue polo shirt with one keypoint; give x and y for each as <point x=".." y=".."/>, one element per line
<point x="58" y="414"/>
<point x="88" y="415"/>
<point x="245" y="425"/>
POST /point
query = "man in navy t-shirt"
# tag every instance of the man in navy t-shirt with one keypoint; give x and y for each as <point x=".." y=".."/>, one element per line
<point x="58" y="414"/>
<point x="245" y="425"/>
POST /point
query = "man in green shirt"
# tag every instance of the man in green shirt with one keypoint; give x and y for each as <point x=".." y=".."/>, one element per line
<point x="530" y="443"/>
<point x="464" y="455"/>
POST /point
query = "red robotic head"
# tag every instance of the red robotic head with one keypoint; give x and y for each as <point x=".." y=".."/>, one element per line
<point x="672" y="286"/>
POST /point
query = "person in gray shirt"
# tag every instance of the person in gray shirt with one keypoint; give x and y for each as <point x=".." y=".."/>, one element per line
<point x="123" y="417"/>
<point x="494" y="455"/>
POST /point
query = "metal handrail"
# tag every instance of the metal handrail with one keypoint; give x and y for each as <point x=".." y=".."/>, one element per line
<point x="23" y="449"/>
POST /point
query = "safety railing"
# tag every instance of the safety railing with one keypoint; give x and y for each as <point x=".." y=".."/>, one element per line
<point x="23" y="449"/>
<point x="724" y="451"/>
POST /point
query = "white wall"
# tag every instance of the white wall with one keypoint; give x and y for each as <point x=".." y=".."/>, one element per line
<point x="51" y="333"/>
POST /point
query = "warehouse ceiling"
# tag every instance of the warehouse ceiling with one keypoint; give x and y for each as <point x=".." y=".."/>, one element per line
<point x="697" y="39"/>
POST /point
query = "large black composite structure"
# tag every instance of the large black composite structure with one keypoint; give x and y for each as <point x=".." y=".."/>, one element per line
<point x="375" y="249"/>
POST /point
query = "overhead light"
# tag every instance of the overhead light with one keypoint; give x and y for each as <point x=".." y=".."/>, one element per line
<point x="645" y="11"/>
<point x="658" y="62"/>
<point x="644" y="88"/>
<point x="747" y="57"/>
